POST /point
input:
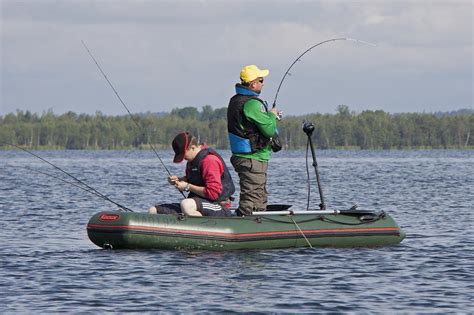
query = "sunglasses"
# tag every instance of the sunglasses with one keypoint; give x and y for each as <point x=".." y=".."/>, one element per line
<point x="261" y="80"/>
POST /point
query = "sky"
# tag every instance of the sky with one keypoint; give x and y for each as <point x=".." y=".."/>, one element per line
<point x="161" y="55"/>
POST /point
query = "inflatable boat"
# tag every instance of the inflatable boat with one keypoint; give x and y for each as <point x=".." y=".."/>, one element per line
<point x="278" y="227"/>
<point x="262" y="230"/>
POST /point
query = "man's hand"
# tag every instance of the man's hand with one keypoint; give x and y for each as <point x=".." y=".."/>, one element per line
<point x="173" y="179"/>
<point x="278" y="113"/>
<point x="181" y="185"/>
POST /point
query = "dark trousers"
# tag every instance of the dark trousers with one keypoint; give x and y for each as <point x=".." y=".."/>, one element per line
<point x="253" y="181"/>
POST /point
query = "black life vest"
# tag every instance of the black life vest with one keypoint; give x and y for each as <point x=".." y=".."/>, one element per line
<point x="239" y="125"/>
<point x="194" y="174"/>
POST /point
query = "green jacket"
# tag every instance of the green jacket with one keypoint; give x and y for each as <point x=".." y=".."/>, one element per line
<point x="265" y="122"/>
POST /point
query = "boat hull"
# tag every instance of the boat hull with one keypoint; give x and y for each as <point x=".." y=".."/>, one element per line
<point x="120" y="230"/>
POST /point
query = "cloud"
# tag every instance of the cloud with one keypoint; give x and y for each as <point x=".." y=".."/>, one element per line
<point x="162" y="54"/>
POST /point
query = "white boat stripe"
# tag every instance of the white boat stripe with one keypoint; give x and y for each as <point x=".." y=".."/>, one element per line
<point x="211" y="206"/>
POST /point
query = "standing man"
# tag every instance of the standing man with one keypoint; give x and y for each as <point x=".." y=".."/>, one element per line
<point x="207" y="180"/>
<point x="251" y="125"/>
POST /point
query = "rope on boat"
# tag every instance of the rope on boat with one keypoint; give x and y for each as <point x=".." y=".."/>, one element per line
<point x="363" y="219"/>
<point x="377" y="217"/>
<point x="310" y="246"/>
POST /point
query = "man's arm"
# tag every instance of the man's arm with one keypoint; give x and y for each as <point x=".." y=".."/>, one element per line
<point x="211" y="172"/>
<point x="265" y="121"/>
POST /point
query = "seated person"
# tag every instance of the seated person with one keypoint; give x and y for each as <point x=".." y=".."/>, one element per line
<point x="207" y="180"/>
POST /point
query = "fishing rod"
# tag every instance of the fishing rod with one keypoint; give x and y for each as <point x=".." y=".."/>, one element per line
<point x="85" y="186"/>
<point x="128" y="111"/>
<point x="308" y="128"/>
<point x="93" y="192"/>
<point x="307" y="51"/>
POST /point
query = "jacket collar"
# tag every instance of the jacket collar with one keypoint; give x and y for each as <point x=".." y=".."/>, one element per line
<point x="243" y="90"/>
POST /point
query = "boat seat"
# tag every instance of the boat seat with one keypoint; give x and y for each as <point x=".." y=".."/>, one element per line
<point x="278" y="207"/>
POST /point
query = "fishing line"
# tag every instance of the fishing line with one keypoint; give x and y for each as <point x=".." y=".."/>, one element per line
<point x="90" y="189"/>
<point x="128" y="111"/>
<point x="307" y="51"/>
<point x="95" y="193"/>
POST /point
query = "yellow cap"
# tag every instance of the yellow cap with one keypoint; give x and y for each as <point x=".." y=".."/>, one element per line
<point x="251" y="72"/>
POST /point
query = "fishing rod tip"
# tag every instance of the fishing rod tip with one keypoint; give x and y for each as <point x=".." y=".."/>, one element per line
<point x="361" y="41"/>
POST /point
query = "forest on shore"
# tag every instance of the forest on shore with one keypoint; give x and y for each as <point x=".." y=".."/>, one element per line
<point x="345" y="129"/>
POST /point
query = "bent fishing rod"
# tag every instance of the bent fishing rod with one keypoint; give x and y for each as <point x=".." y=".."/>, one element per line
<point x="85" y="186"/>
<point x="123" y="103"/>
<point x="307" y="51"/>
<point x="308" y="128"/>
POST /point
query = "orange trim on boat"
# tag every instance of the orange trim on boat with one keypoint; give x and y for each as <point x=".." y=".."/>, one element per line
<point x="149" y="228"/>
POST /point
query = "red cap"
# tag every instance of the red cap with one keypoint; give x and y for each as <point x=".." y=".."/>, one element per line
<point x="180" y="144"/>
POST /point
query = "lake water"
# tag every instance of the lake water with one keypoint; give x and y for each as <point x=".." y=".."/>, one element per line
<point x="48" y="264"/>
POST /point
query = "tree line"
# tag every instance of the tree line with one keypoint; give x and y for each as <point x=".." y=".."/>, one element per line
<point x="344" y="129"/>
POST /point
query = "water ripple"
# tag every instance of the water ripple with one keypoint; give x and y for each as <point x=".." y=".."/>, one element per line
<point x="48" y="264"/>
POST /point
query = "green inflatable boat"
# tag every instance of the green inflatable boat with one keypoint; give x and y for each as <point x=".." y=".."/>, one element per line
<point x="278" y="227"/>
<point x="263" y="230"/>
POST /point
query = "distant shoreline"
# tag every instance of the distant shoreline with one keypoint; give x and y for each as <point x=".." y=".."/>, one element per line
<point x="346" y="129"/>
<point x="164" y="148"/>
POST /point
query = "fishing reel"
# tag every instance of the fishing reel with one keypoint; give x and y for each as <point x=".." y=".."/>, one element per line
<point x="308" y="128"/>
